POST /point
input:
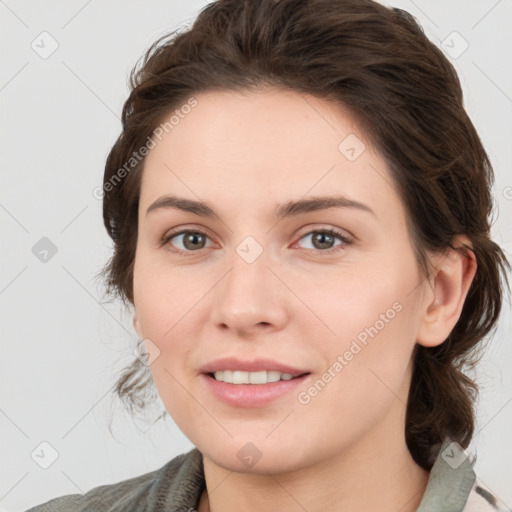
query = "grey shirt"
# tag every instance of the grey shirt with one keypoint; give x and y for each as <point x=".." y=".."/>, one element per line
<point x="177" y="487"/>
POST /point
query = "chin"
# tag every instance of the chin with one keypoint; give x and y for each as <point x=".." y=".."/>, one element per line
<point x="258" y="457"/>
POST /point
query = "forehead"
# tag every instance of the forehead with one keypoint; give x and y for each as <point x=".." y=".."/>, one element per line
<point x="255" y="149"/>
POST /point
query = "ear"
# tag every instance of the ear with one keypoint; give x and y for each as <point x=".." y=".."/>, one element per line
<point x="449" y="286"/>
<point x="136" y="326"/>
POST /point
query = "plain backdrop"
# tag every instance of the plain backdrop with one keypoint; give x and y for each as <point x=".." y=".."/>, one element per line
<point x="61" y="347"/>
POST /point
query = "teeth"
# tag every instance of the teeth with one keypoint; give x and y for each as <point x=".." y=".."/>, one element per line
<point x="261" y="377"/>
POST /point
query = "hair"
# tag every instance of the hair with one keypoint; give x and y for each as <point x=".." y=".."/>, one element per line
<point x="408" y="100"/>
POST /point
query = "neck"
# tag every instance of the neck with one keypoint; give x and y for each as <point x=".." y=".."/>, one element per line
<point x="376" y="473"/>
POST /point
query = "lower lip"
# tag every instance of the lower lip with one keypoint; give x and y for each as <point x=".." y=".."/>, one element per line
<point x="251" y="395"/>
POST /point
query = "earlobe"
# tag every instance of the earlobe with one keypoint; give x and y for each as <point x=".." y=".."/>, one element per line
<point x="136" y="326"/>
<point x="454" y="274"/>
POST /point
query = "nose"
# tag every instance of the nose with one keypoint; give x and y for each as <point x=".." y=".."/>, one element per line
<point x="250" y="298"/>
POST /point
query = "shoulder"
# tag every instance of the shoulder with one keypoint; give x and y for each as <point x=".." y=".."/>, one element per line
<point x="481" y="499"/>
<point x="142" y="492"/>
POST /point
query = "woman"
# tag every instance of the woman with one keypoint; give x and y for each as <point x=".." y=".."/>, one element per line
<point x="300" y="210"/>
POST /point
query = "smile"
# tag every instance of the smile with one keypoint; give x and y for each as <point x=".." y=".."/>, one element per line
<point x="242" y="377"/>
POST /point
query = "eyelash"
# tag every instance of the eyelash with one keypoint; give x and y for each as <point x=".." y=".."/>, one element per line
<point x="331" y="231"/>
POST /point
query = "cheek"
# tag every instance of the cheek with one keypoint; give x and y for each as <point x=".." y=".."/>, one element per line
<point x="166" y="306"/>
<point x="372" y="317"/>
<point x="361" y="305"/>
<point x="158" y="298"/>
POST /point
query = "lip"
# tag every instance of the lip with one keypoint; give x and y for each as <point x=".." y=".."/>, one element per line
<point x="233" y="363"/>
<point x="251" y="395"/>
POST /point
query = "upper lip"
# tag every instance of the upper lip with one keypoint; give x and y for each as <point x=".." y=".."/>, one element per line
<point x="232" y="363"/>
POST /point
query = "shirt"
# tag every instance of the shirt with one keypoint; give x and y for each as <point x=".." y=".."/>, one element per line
<point x="177" y="487"/>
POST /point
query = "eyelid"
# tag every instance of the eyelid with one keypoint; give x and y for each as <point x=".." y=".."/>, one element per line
<point x="326" y="227"/>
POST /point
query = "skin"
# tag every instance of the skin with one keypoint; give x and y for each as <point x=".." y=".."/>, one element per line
<point x="243" y="154"/>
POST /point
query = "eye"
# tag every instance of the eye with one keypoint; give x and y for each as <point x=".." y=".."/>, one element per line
<point x="195" y="240"/>
<point x="191" y="240"/>
<point x="323" y="239"/>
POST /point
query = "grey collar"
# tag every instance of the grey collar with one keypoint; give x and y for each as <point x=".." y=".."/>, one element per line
<point x="451" y="480"/>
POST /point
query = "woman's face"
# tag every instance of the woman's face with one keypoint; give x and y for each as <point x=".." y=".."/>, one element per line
<point x="256" y="290"/>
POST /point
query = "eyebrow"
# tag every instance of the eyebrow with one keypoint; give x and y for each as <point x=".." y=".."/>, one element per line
<point x="288" y="209"/>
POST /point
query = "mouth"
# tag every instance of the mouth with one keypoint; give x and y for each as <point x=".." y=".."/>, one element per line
<point x="257" y="378"/>
<point x="252" y="389"/>
<point x="251" y="383"/>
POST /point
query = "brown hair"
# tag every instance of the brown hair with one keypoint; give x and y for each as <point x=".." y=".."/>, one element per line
<point x="408" y="99"/>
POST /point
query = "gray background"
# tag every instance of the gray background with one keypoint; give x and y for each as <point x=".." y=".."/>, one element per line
<point x="61" y="347"/>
